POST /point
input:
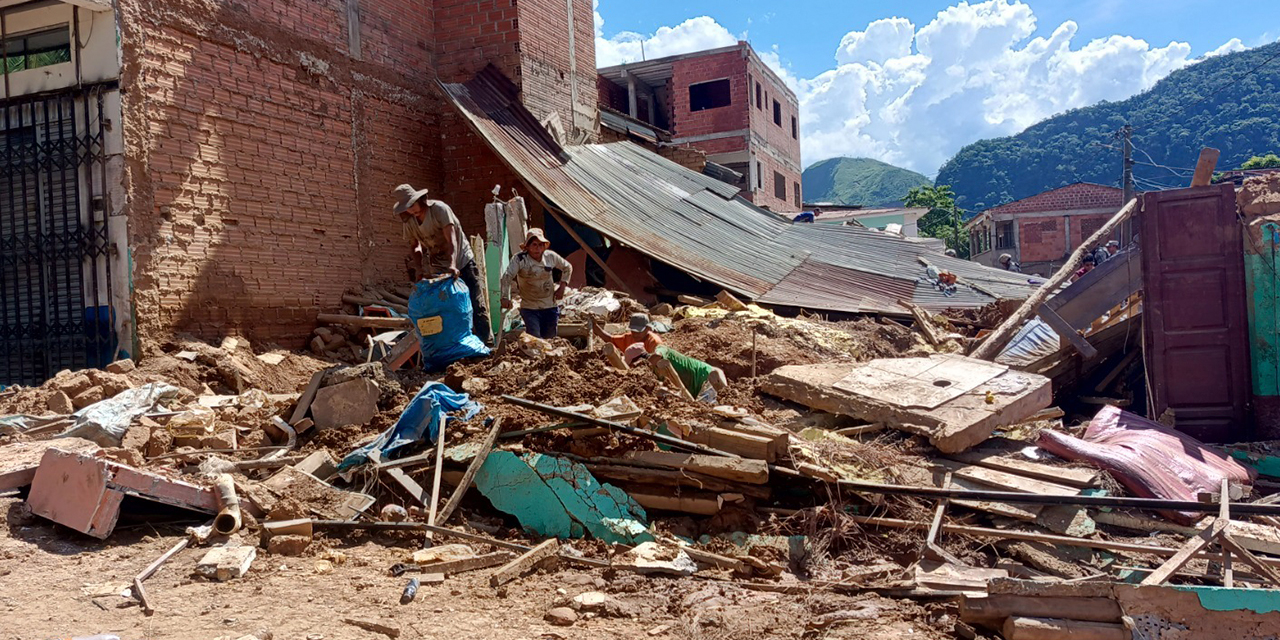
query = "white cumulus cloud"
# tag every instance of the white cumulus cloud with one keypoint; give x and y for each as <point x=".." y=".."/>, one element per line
<point x="694" y="34"/>
<point x="913" y="95"/>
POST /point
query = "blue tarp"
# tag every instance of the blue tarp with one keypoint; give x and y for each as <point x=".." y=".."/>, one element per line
<point x="441" y="314"/>
<point x="421" y="420"/>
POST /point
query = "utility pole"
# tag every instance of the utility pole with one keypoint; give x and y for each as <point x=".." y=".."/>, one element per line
<point x="1126" y="177"/>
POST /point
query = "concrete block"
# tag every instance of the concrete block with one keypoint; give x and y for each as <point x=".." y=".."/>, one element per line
<point x="226" y="563"/>
<point x="71" y="384"/>
<point x="351" y="402"/>
<point x="288" y="545"/>
<point x="60" y="403"/>
<point x="88" y="396"/>
<point x="121" y="366"/>
<point x="19" y="461"/>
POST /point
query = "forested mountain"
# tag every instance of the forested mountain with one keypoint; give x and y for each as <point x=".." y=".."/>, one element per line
<point x="862" y="181"/>
<point x="1229" y="102"/>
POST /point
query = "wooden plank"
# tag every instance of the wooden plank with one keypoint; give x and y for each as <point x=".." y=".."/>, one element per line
<point x="404" y="350"/>
<point x="735" y="469"/>
<point x="673" y="478"/>
<point x="924" y="323"/>
<point x="1007" y="481"/>
<point x="465" y="483"/>
<point x="1067" y="332"/>
<point x="1232" y="545"/>
<point x="1205" y="164"/>
<point x="954" y="426"/>
<point x="693" y="502"/>
<point x="308" y="395"/>
<point x="1184" y="554"/>
<point x="1018" y="512"/>
<point x="745" y="445"/>
<point x="692" y="301"/>
<point x="485" y="561"/>
<point x="435" y="483"/>
<point x="1100" y="290"/>
<point x="1023" y="628"/>
<point x="990" y="348"/>
<point x="1000" y="606"/>
<point x="1065" y="476"/>
<point x="1117" y="370"/>
<point x="526" y="561"/>
<point x="730" y="301"/>
<point x="779" y="439"/>
<point x="364" y="321"/>
<point x="715" y="560"/>
<point x="401" y="478"/>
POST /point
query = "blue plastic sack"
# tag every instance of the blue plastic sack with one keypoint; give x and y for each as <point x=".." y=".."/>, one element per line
<point x="441" y="315"/>
<point x="421" y="420"/>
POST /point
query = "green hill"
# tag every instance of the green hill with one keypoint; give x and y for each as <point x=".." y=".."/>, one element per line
<point x="1229" y="102"/>
<point x="861" y="181"/>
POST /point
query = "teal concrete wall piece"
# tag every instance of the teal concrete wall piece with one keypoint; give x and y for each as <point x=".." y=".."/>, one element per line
<point x="1224" y="599"/>
<point x="554" y="497"/>
<point x="1264" y="328"/>
<point x="1265" y="465"/>
<point x="496" y="258"/>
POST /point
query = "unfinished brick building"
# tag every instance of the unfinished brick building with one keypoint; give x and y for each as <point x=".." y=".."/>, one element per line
<point x="1041" y="231"/>
<point x="218" y="168"/>
<point x="726" y="103"/>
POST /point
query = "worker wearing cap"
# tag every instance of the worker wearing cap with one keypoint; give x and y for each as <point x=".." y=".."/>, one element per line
<point x="532" y="271"/>
<point x="638" y="332"/>
<point x="440" y="247"/>
<point x="1104" y="253"/>
<point x="1007" y="262"/>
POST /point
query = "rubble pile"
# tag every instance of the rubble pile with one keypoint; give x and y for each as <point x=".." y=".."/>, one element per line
<point x="843" y="458"/>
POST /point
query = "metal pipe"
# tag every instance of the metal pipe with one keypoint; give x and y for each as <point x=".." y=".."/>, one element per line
<point x="625" y="428"/>
<point x="1009" y="497"/>
<point x="227" y="521"/>
<point x="288" y="431"/>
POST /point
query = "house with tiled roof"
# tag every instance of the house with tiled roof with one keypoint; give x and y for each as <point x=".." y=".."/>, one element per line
<point x="1041" y="231"/>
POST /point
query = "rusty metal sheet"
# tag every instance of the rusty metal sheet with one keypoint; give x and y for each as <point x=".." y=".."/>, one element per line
<point x="701" y="226"/>
<point x="1196" y="330"/>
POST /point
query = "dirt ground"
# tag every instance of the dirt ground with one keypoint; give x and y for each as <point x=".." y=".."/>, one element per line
<point x="55" y="583"/>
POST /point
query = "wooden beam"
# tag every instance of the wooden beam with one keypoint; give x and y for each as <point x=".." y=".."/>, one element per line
<point x="1067" y="332"/>
<point x="308" y="395"/>
<point x="1118" y="369"/>
<point x="991" y="347"/>
<point x="734" y="469"/>
<point x="1205" y="165"/>
<point x="525" y="562"/>
<point x="481" y="455"/>
<point x="470" y="564"/>
<point x="410" y="485"/>
<point x="1184" y="554"/>
<point x="591" y="252"/>
<point x="364" y="322"/>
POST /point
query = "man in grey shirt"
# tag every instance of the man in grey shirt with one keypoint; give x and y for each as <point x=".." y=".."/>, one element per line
<point x="441" y="248"/>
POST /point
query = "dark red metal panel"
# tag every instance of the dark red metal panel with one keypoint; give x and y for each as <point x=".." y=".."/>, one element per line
<point x="1196" y="327"/>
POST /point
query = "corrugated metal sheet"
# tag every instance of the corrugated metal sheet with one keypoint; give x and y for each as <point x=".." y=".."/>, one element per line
<point x="700" y="225"/>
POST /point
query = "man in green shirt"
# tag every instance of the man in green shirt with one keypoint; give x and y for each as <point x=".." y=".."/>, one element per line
<point x="688" y="374"/>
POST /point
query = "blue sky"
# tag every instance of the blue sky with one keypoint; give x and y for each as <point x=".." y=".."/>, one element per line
<point x="807" y="36"/>
<point x="912" y="81"/>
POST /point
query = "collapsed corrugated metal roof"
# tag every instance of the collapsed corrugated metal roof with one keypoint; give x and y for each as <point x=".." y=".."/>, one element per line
<point x="700" y="225"/>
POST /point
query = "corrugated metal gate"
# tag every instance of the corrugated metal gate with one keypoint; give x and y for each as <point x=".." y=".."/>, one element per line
<point x="54" y="272"/>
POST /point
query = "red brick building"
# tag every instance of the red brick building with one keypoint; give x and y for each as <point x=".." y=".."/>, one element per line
<point x="237" y="159"/>
<point x="1041" y="231"/>
<point x="726" y="103"/>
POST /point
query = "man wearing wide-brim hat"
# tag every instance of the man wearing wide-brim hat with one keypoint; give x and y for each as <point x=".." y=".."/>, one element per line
<point x="533" y="272"/>
<point x="441" y="247"/>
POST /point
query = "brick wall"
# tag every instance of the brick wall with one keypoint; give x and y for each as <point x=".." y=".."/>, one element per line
<point x="260" y="157"/>
<point x="772" y="144"/>
<point x="550" y="79"/>
<point x="1041" y="239"/>
<point x="686" y="157"/>
<point x="612" y="95"/>
<point x="686" y="123"/>
<point x="764" y="195"/>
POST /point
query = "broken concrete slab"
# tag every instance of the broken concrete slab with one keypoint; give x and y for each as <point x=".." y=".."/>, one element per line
<point x="19" y="461"/>
<point x="354" y="402"/>
<point x="323" y="498"/>
<point x="226" y="563"/>
<point x="60" y="403"/>
<point x="84" y="493"/>
<point x="899" y="395"/>
<point x="122" y="366"/>
<point x="553" y="497"/>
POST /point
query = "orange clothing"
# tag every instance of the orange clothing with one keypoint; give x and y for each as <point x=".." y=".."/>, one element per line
<point x="624" y="340"/>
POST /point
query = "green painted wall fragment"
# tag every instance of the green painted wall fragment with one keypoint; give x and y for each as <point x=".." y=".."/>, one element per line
<point x="1224" y="599"/>
<point x="553" y="497"/>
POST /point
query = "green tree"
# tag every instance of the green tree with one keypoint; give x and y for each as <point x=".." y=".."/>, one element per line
<point x="943" y="219"/>
<point x="1269" y="161"/>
